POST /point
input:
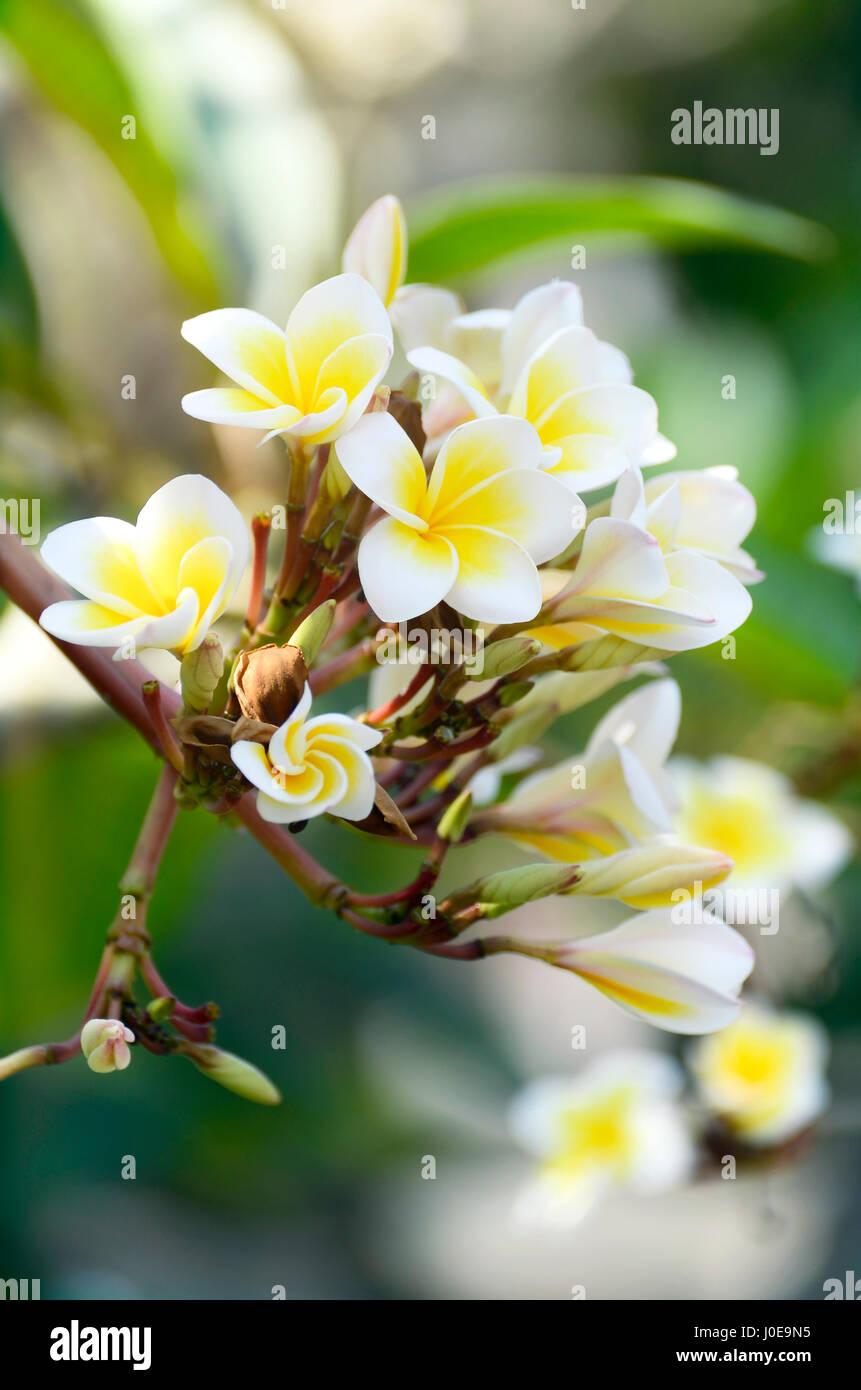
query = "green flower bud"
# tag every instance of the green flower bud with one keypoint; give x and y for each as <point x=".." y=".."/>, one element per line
<point x="453" y="822"/>
<point x="200" y="673"/>
<point x="501" y="658"/>
<point x="233" y="1073"/>
<point x="312" y="633"/>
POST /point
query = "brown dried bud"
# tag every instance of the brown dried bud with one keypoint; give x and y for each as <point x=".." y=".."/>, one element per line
<point x="409" y="416"/>
<point x="268" y="682"/>
<point x="214" y="734"/>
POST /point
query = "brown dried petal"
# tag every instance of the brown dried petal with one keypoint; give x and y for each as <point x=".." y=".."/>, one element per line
<point x="269" y="682"/>
<point x="391" y="812"/>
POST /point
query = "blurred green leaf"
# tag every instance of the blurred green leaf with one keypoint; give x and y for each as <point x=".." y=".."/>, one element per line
<point x="463" y="227"/>
<point x="80" y="78"/>
<point x="803" y="639"/>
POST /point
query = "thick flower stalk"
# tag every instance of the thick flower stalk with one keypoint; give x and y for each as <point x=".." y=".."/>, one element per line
<point x="456" y="520"/>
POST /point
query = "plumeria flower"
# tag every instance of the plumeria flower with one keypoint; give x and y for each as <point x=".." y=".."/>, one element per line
<point x="764" y="1076"/>
<point x="377" y="247"/>
<point x="750" y="812"/>
<point x="471" y="534"/>
<point x="161" y="582"/>
<point x="682" y="977"/>
<point x="617" y="1125"/>
<point x="574" y="389"/>
<point x="709" y="512"/>
<point x="311" y="381"/>
<point x="612" y="796"/>
<point x="624" y="584"/>
<point x="312" y="766"/>
<point x="104" y="1043"/>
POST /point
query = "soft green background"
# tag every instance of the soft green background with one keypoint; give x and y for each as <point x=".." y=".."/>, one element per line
<point x="256" y="128"/>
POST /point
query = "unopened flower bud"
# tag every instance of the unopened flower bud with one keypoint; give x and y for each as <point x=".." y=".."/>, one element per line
<point x="653" y="875"/>
<point x="104" y="1043"/>
<point x="268" y="682"/>
<point x="233" y="1073"/>
<point x="377" y="247"/>
<point x="501" y="658"/>
<point x="499" y="893"/>
<point x="161" y="1008"/>
<point x="525" y="728"/>
<point x="312" y="633"/>
<point x="453" y="822"/>
<point x="201" y="671"/>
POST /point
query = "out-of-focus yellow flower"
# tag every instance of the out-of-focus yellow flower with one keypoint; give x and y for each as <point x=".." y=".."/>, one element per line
<point x="311" y="766"/>
<point x="764" y="1076"/>
<point x="311" y="381"/>
<point x="541" y="363"/>
<point x="104" y="1043"/>
<point x="616" y="1125"/>
<point x="160" y="583"/>
<point x="471" y="534"/>
<point x="751" y="812"/>
<point x="377" y="247"/>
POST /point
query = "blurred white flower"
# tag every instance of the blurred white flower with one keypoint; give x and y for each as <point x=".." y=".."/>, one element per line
<point x="613" y="795"/>
<point x="683" y="977"/>
<point x="160" y="583"/>
<point x="764" y="1076"/>
<point x="841" y="550"/>
<point x="616" y="1125"/>
<point x="750" y="812"/>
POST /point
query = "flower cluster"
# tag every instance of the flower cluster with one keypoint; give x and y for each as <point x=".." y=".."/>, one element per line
<point x="453" y="502"/>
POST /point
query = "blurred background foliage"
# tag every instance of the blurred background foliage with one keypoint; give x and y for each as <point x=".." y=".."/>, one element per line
<point x="261" y="131"/>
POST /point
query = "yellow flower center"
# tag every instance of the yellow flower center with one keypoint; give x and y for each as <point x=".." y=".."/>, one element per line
<point x="594" y="1135"/>
<point x="740" y="826"/>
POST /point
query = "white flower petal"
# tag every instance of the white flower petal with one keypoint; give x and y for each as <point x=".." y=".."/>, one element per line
<point x="421" y="315"/>
<point x="380" y="458"/>
<point x="497" y="581"/>
<point x="245" y="346"/>
<point x="441" y="364"/>
<point x="403" y="572"/>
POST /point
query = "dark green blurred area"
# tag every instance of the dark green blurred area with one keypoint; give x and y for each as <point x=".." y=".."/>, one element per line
<point x="105" y="246"/>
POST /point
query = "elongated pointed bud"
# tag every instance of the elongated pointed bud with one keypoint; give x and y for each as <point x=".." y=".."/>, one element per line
<point x="453" y="822"/>
<point x="161" y="1008"/>
<point x="232" y="1072"/>
<point x="377" y="247"/>
<point x="499" y="893"/>
<point x="502" y="658"/>
<point x="312" y="633"/>
<point x="517" y="690"/>
<point x="200" y="673"/>
<point x="653" y="876"/>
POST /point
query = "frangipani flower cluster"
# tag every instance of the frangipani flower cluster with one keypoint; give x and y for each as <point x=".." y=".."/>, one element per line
<point x="462" y="516"/>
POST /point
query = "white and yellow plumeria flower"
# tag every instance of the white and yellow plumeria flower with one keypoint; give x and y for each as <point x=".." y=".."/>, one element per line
<point x="617" y="1125"/>
<point x="160" y="583"/>
<point x="682" y="977"/>
<point x="624" y="584"/>
<point x="104" y="1043"/>
<point x="750" y="812"/>
<point x="573" y="388"/>
<point x="377" y="247"/>
<point x="494" y="345"/>
<point x="311" y="766"/>
<point x="311" y="381"/>
<point x="612" y="796"/>
<point x="764" y="1076"/>
<point x="471" y="534"/>
<point x="709" y="512"/>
